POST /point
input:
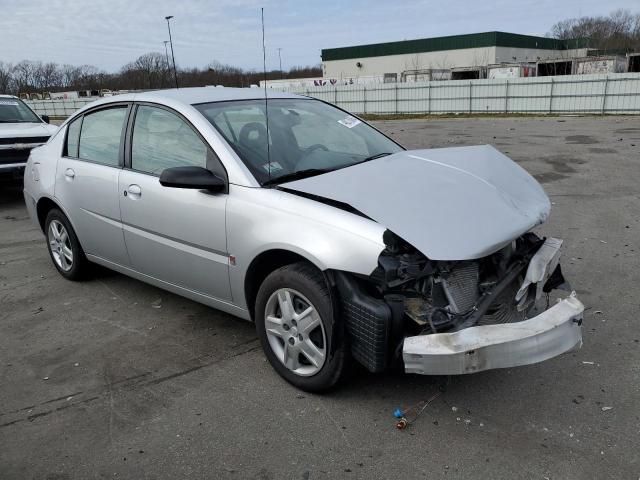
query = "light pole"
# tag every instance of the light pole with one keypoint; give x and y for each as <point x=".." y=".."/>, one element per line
<point x="280" y="60"/>
<point x="173" y="58"/>
<point x="166" y="54"/>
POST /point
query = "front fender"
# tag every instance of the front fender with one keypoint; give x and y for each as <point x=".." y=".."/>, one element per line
<point x="259" y="220"/>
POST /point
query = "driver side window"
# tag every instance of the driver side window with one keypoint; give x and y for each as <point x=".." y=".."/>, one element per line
<point x="162" y="139"/>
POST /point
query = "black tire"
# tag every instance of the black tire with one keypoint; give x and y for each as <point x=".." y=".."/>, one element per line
<point x="310" y="282"/>
<point x="79" y="269"/>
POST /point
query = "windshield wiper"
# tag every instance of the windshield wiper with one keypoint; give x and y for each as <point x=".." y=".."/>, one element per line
<point x="373" y="157"/>
<point x="311" y="172"/>
<point x="300" y="174"/>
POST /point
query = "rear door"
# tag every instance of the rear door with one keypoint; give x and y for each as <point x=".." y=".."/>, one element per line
<point x="173" y="234"/>
<point x="87" y="180"/>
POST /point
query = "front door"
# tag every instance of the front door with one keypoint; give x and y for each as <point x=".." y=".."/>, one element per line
<point x="87" y="181"/>
<point x="173" y="234"/>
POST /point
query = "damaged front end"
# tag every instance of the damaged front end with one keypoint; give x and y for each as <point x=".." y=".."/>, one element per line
<point x="455" y="317"/>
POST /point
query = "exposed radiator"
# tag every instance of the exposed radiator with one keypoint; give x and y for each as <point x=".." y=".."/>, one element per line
<point x="461" y="286"/>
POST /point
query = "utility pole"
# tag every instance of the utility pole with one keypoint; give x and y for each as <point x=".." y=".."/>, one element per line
<point x="173" y="58"/>
<point x="280" y="60"/>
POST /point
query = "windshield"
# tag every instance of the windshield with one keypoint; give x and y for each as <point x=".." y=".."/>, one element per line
<point x="13" y="110"/>
<point x="305" y="137"/>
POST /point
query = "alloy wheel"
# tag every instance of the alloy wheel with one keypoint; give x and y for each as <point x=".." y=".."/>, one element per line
<point x="60" y="245"/>
<point x="295" y="332"/>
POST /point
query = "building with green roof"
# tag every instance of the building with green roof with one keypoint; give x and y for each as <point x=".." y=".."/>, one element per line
<point x="458" y="56"/>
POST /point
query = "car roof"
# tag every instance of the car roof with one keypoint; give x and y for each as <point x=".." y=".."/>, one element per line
<point x="195" y="95"/>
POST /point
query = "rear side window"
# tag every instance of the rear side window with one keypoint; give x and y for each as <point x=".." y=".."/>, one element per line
<point x="73" y="134"/>
<point x="100" y="136"/>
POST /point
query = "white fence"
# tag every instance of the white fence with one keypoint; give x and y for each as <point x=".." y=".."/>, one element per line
<point x="587" y="94"/>
<point x="58" y="108"/>
<point x="580" y="94"/>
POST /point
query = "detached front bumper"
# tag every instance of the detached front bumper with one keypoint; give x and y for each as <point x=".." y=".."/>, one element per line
<point x="474" y="349"/>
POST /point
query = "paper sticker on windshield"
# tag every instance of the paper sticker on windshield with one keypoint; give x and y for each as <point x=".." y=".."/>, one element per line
<point x="272" y="167"/>
<point x="8" y="102"/>
<point x="349" y="122"/>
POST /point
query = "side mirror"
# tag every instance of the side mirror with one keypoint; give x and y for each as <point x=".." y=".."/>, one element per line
<point x="45" y="118"/>
<point x="191" y="177"/>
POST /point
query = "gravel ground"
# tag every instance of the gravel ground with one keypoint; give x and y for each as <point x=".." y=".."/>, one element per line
<point x="114" y="378"/>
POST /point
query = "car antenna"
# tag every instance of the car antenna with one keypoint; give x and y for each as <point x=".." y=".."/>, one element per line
<point x="266" y="101"/>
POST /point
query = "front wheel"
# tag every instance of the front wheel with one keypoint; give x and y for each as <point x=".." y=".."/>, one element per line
<point x="299" y="333"/>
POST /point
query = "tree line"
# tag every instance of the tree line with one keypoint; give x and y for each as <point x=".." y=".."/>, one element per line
<point x="149" y="71"/>
<point x="617" y="32"/>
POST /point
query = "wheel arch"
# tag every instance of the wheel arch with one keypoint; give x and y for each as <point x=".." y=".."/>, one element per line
<point x="43" y="207"/>
<point x="265" y="263"/>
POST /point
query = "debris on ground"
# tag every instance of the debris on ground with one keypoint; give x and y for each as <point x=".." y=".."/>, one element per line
<point x="604" y="409"/>
<point x="406" y="416"/>
<point x="157" y="303"/>
<point x="409" y="415"/>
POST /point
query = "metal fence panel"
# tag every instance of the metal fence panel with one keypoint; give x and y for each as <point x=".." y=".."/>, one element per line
<point x="589" y="94"/>
<point x="58" y="108"/>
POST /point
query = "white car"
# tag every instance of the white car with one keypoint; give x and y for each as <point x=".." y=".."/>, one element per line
<point x="289" y="212"/>
<point x="20" y="131"/>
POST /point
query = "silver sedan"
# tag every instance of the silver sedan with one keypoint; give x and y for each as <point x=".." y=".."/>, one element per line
<point x="289" y="212"/>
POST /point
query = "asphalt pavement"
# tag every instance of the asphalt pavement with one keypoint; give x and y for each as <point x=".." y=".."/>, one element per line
<point x="112" y="378"/>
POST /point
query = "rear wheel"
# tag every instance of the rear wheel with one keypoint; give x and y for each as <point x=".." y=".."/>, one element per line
<point x="299" y="333"/>
<point x="64" y="249"/>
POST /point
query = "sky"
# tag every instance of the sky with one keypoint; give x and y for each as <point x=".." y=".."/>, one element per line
<point x="111" y="33"/>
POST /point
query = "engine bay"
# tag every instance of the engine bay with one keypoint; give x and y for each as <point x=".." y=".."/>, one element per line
<point x="425" y="297"/>
<point x="444" y="295"/>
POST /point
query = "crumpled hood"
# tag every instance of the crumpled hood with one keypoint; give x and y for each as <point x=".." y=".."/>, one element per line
<point x="450" y="203"/>
<point x="10" y="130"/>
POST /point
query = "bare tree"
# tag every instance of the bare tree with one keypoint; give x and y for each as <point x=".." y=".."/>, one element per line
<point x="146" y="72"/>
<point x="24" y="76"/>
<point x="149" y="71"/>
<point x="49" y="76"/>
<point x="620" y="30"/>
<point x="6" y="77"/>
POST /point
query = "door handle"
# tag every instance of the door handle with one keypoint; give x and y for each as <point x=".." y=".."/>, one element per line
<point x="69" y="173"/>
<point x="134" y="191"/>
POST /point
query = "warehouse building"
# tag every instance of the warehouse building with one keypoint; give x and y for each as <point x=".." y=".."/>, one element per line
<point x="442" y="58"/>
